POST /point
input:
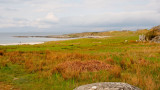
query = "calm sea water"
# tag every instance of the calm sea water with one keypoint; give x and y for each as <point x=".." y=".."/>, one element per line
<point x="7" y="38"/>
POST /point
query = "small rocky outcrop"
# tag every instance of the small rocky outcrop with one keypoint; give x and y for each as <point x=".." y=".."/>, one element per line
<point x="156" y="39"/>
<point x="154" y="33"/>
<point x="107" y="86"/>
<point x="142" y="37"/>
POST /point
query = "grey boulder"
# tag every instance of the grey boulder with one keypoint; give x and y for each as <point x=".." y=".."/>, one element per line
<point x="107" y="86"/>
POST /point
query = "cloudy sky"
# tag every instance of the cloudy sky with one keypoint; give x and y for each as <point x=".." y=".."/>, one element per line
<point x="77" y="15"/>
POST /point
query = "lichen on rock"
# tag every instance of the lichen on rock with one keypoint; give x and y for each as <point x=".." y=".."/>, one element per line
<point x="107" y="86"/>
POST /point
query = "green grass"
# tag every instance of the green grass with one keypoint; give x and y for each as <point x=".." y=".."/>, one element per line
<point x="32" y="66"/>
<point x="32" y="81"/>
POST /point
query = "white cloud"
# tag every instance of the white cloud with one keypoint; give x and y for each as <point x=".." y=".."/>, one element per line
<point x="44" y="22"/>
<point x="51" y="17"/>
<point x="108" y="19"/>
<point x="79" y="14"/>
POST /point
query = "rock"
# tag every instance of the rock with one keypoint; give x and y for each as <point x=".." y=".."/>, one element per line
<point x="142" y="37"/>
<point x="15" y="78"/>
<point x="107" y="86"/>
<point x="94" y="88"/>
<point x="156" y="39"/>
<point x="156" y="28"/>
<point x="155" y="31"/>
<point x="126" y="41"/>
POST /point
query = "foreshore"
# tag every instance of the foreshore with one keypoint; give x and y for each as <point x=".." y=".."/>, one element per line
<point x="63" y="37"/>
<point x="27" y="43"/>
<point x="31" y="43"/>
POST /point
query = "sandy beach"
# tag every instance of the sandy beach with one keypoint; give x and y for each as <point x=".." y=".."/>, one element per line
<point x="31" y="43"/>
<point x="45" y="39"/>
<point x="27" y="43"/>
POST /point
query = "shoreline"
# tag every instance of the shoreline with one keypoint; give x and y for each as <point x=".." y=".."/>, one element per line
<point x="62" y="37"/>
<point x="50" y="36"/>
<point x="27" y="43"/>
<point x="32" y="43"/>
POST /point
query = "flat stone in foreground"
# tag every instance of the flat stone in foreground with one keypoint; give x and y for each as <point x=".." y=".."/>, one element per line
<point x="107" y="86"/>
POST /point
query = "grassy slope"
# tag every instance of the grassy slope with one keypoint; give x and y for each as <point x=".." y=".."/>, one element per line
<point x="47" y="66"/>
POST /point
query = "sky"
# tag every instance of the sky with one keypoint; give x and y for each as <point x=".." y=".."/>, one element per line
<point x="78" y="15"/>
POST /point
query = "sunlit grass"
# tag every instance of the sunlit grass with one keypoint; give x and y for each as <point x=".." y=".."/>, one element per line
<point x="60" y="65"/>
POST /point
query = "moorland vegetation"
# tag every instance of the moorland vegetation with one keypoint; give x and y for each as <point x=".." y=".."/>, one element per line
<point x="64" y="65"/>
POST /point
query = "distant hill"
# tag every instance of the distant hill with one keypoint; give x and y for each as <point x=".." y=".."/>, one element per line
<point x="151" y="33"/>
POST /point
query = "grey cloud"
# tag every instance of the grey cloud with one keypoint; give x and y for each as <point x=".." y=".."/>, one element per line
<point x="11" y="9"/>
<point x="85" y="15"/>
<point x="115" y="19"/>
<point x="14" y="1"/>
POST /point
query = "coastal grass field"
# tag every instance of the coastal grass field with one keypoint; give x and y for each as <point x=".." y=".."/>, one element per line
<point x="64" y="65"/>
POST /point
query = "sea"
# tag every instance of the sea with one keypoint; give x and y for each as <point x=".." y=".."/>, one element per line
<point x="9" y="39"/>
